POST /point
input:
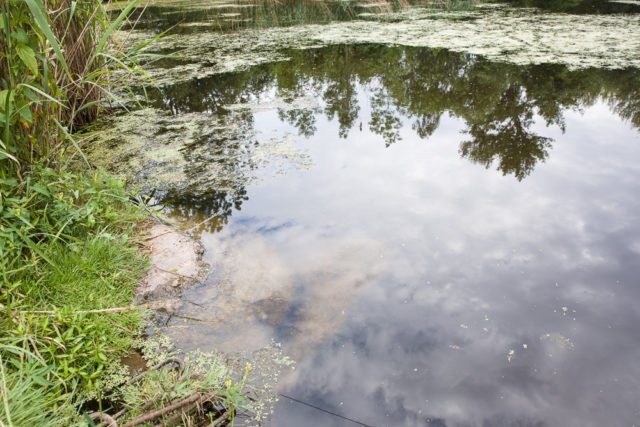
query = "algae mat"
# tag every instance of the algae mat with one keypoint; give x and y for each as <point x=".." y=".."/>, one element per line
<point x="520" y="36"/>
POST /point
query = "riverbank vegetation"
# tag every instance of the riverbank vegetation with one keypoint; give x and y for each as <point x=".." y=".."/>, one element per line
<point x="70" y="248"/>
<point x="66" y="233"/>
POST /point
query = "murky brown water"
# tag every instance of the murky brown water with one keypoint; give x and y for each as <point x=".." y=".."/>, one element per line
<point x="442" y="241"/>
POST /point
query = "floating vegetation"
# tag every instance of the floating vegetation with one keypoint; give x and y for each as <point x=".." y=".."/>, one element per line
<point x="518" y="36"/>
<point x="558" y="339"/>
<point x="194" y="388"/>
<point x="194" y="153"/>
<point x="282" y="103"/>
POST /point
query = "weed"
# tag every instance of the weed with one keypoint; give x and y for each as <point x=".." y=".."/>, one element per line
<point x="56" y="67"/>
<point x="66" y="249"/>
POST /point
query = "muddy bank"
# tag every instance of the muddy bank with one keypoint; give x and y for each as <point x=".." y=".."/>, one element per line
<point x="176" y="264"/>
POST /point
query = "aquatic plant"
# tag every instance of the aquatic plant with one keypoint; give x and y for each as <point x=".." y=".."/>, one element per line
<point x="196" y="388"/>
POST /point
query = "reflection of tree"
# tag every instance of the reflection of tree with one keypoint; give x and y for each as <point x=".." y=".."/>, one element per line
<point x="625" y="82"/>
<point x="342" y="102"/>
<point x="212" y="205"/>
<point x="253" y="14"/>
<point x="384" y="119"/>
<point x="498" y="102"/>
<point x="506" y="137"/>
<point x="340" y="91"/>
<point x="302" y="119"/>
<point x="217" y="172"/>
<point x="426" y="125"/>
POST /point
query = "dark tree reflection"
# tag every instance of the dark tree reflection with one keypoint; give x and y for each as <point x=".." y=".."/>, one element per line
<point x="498" y="102"/>
<point x="506" y="138"/>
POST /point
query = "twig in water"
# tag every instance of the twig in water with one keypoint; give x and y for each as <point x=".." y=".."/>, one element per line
<point x="173" y="272"/>
<point x="161" y="234"/>
<point x="189" y="230"/>
<point x="200" y="223"/>
<point x="152" y="304"/>
<point x="103" y="419"/>
<point x="196" y="399"/>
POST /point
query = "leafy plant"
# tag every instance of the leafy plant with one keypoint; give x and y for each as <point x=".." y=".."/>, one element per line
<point x="57" y="67"/>
<point x="66" y="250"/>
<point x="27" y="397"/>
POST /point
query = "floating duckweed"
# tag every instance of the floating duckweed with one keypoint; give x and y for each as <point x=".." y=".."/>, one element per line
<point x="558" y="339"/>
<point x="192" y="153"/>
<point x="499" y="33"/>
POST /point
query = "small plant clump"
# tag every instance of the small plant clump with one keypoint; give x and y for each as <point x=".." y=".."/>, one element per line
<point x="196" y="388"/>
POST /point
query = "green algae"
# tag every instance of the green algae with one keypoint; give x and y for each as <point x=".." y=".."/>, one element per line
<point x="193" y="153"/>
<point x="519" y="36"/>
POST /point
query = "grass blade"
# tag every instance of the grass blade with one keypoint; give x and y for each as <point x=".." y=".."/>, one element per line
<point x="37" y="10"/>
<point x="114" y="25"/>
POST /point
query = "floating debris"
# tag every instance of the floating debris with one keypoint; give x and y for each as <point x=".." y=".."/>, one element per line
<point x="190" y="153"/>
<point x="558" y="339"/>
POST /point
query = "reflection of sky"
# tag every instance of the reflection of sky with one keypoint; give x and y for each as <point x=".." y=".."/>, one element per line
<point x="400" y="279"/>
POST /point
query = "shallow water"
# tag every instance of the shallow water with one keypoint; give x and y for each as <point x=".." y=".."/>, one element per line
<point x="435" y="238"/>
<point x="464" y="249"/>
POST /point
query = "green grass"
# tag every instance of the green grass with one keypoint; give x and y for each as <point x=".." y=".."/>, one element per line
<point x="67" y="248"/>
<point x="67" y="242"/>
<point x="93" y="274"/>
<point x="26" y="400"/>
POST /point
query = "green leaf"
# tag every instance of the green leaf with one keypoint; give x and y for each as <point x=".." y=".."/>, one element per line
<point x="28" y="56"/>
<point x="35" y="6"/>
<point x="25" y="113"/>
<point x="38" y="188"/>
<point x="10" y="182"/>
<point x="71" y="139"/>
<point x="21" y="36"/>
<point x="40" y="380"/>
<point x="30" y="95"/>
<point x="42" y="93"/>
<point x="27" y="241"/>
<point x="3" y="98"/>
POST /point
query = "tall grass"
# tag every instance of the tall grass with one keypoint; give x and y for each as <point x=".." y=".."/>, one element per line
<point x="56" y="69"/>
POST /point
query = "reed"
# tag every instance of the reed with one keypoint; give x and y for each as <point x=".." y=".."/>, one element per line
<point x="57" y="68"/>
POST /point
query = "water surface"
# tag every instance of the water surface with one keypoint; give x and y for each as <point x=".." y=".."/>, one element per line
<point x="443" y="240"/>
<point x="463" y="252"/>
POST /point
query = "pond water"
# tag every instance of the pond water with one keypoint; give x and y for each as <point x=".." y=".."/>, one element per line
<point x="437" y="239"/>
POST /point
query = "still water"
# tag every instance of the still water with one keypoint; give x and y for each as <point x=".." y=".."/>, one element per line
<point x="464" y="249"/>
<point x="447" y="241"/>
